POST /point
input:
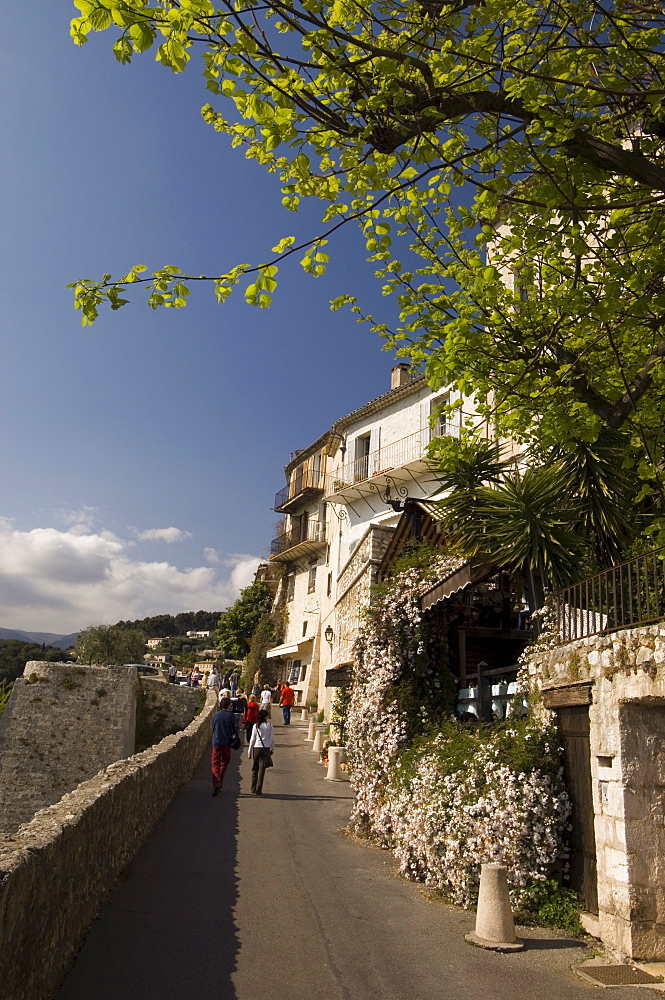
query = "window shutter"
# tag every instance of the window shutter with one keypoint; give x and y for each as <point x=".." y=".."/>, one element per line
<point x="425" y="430"/>
<point x="374" y="446"/>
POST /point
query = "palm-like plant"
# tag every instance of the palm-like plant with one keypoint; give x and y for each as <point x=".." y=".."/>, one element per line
<point x="472" y="465"/>
<point x="537" y="523"/>
<point x="605" y="492"/>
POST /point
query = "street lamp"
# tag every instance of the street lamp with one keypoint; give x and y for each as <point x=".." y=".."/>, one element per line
<point x="328" y="635"/>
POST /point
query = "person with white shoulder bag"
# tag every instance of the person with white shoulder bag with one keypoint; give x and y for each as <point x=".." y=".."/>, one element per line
<point x="261" y="748"/>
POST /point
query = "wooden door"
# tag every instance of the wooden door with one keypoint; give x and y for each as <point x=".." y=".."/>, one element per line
<point x="574" y="727"/>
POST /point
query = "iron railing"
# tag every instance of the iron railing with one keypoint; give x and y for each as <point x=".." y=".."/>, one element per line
<point x="388" y="457"/>
<point x="315" y="531"/>
<point x="301" y="481"/>
<point x="629" y="594"/>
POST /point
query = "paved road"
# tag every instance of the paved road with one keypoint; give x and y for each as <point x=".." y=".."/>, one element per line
<point x="241" y="898"/>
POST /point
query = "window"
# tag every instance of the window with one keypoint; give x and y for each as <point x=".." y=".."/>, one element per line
<point x="439" y="418"/>
<point x="329" y="585"/>
<point x="303" y="672"/>
<point x="361" y="464"/>
<point x="311" y="581"/>
<point x="295" y="672"/>
<point x="304" y="628"/>
<point x="290" y="586"/>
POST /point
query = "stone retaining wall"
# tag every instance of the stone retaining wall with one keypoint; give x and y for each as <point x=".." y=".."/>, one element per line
<point x="620" y="678"/>
<point x="56" y="870"/>
<point x="163" y="710"/>
<point x="63" y="723"/>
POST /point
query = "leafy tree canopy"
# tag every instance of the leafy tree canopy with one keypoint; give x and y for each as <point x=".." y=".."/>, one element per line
<point x="14" y="654"/>
<point x="162" y="626"/>
<point x="240" y="621"/>
<point x="110" y="645"/>
<point x="540" y="286"/>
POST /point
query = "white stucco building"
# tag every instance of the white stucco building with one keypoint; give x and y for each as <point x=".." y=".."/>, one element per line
<point x="342" y="500"/>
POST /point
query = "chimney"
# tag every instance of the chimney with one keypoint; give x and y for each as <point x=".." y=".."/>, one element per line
<point x="399" y="375"/>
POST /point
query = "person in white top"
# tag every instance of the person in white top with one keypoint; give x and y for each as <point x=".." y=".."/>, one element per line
<point x="266" y="699"/>
<point x="261" y="747"/>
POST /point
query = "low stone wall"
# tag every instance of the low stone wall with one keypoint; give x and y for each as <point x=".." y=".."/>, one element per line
<point x="619" y="679"/>
<point x="56" y="870"/>
<point x="63" y="723"/>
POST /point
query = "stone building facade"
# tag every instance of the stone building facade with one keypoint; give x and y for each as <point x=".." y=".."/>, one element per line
<point x="608" y="693"/>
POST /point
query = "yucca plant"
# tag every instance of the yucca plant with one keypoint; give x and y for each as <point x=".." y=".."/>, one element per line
<point x="604" y="490"/>
<point x="539" y="523"/>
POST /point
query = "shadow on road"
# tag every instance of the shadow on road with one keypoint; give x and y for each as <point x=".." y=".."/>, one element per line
<point x="548" y="944"/>
<point x="300" y="798"/>
<point x="167" y="932"/>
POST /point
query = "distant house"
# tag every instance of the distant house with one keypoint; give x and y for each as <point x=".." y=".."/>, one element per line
<point x="159" y="660"/>
<point x="201" y="634"/>
<point x="152" y="643"/>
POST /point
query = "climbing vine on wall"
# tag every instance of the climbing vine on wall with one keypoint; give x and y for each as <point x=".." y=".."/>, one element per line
<point x="443" y="796"/>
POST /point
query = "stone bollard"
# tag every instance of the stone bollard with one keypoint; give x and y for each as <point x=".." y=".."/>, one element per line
<point x="317" y="745"/>
<point x="335" y="755"/>
<point x="495" y="927"/>
<point x="304" y="715"/>
<point x="311" y="731"/>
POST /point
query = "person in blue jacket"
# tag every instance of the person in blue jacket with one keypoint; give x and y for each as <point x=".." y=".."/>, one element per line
<point x="224" y="734"/>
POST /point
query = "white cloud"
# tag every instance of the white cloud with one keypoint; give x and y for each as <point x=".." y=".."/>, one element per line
<point x="243" y="568"/>
<point x="211" y="556"/>
<point x="168" y="535"/>
<point x="80" y="520"/>
<point x="62" y="581"/>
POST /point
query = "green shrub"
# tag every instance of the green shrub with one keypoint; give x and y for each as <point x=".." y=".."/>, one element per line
<point x="549" y="904"/>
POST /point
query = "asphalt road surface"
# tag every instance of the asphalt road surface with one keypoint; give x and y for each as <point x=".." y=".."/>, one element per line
<point x="245" y="898"/>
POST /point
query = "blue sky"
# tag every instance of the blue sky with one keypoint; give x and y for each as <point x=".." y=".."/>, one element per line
<point x="148" y="421"/>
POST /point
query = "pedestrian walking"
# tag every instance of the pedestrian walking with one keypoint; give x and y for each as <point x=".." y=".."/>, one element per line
<point x="250" y="717"/>
<point x="256" y="690"/>
<point x="266" y="699"/>
<point x="173" y="673"/>
<point x="286" y="700"/>
<point x="238" y="706"/>
<point x="196" y="677"/>
<point x="212" y="683"/>
<point x="224" y="736"/>
<point x="261" y="748"/>
<point x="234" y="681"/>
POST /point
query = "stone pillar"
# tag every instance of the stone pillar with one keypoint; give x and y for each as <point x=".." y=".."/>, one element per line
<point x="335" y="755"/>
<point x="311" y="731"/>
<point x="495" y="927"/>
<point x="317" y="746"/>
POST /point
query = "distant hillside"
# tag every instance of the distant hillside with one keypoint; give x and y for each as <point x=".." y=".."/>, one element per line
<point x="50" y="638"/>
<point x="163" y="626"/>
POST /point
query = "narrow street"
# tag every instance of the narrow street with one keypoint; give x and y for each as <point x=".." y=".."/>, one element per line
<point x="238" y="897"/>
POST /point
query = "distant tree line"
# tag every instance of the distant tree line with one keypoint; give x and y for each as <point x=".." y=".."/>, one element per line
<point x="163" y="626"/>
<point x="15" y="653"/>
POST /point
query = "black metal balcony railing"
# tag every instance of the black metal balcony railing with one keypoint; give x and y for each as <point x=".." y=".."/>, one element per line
<point x="629" y="594"/>
<point x="314" y="532"/>
<point x="312" y="480"/>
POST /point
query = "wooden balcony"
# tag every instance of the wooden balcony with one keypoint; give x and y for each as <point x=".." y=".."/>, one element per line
<point x="299" y="542"/>
<point x="306" y="486"/>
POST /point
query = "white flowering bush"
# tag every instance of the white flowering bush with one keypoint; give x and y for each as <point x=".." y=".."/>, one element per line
<point x="445" y="797"/>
